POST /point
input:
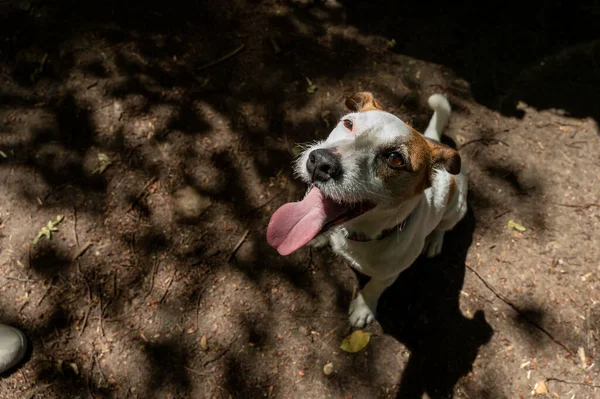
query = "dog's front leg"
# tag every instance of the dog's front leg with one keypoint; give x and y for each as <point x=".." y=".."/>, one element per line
<point x="364" y="306"/>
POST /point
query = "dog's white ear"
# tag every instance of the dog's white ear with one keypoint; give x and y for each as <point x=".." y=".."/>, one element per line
<point x="363" y="101"/>
<point x="445" y="156"/>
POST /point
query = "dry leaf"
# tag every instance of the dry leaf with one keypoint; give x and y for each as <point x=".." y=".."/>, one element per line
<point x="356" y="341"/>
<point x="540" y="388"/>
<point x="203" y="343"/>
<point x="74" y="367"/>
<point x="103" y="163"/>
<point x="516" y="226"/>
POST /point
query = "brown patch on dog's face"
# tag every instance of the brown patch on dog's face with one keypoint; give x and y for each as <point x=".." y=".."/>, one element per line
<point x="420" y="157"/>
<point x="413" y="177"/>
<point x="363" y="101"/>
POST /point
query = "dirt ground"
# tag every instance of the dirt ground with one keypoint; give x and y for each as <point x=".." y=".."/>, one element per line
<point x="163" y="133"/>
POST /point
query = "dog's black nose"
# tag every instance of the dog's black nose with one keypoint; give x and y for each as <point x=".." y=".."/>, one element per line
<point x="323" y="165"/>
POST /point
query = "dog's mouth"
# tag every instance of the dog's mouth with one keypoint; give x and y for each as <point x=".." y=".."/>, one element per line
<point x="296" y="223"/>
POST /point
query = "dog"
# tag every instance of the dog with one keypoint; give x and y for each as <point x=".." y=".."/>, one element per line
<point x="380" y="193"/>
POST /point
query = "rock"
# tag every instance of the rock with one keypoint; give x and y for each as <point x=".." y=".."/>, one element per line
<point x="328" y="369"/>
<point x="189" y="205"/>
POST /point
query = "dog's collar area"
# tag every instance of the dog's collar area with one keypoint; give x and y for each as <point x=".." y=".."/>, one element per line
<point x="354" y="236"/>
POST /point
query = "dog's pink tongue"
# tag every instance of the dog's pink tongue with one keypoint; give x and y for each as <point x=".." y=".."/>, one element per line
<point x="296" y="223"/>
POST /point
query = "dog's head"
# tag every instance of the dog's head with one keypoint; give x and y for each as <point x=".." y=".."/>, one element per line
<point x="370" y="161"/>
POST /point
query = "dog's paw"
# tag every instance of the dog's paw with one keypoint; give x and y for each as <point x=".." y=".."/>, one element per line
<point x="360" y="312"/>
<point x="434" y="243"/>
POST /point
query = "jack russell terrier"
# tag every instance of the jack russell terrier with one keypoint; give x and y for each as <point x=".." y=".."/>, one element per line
<point x="380" y="193"/>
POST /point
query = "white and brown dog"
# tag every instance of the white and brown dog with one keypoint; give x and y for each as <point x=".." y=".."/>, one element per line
<point x="381" y="194"/>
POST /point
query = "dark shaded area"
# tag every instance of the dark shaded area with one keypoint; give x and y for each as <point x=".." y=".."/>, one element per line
<point x="545" y="53"/>
<point x="421" y="310"/>
<point x="168" y="361"/>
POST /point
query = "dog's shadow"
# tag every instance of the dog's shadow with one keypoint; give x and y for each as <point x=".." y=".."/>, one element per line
<point x="421" y="310"/>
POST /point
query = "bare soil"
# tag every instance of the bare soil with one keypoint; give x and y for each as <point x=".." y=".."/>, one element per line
<point x="164" y="132"/>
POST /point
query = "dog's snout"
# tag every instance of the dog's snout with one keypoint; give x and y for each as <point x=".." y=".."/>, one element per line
<point x="323" y="165"/>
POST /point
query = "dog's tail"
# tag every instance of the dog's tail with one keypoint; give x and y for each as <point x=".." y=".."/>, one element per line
<point x="441" y="113"/>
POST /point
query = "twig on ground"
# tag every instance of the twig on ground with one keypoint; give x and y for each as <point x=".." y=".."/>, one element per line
<point x="100" y="315"/>
<point x="114" y="284"/>
<point x="45" y="293"/>
<point x="585" y="384"/>
<point x="220" y="354"/>
<point x="162" y="298"/>
<point x="501" y="214"/>
<point x="142" y="193"/>
<point x="75" y="225"/>
<point x="484" y="140"/>
<point x="582" y="206"/>
<point x="92" y="85"/>
<point x="519" y="311"/>
<point x="267" y="202"/>
<point x="223" y="58"/>
<point x="196" y="372"/>
<point x="99" y="368"/>
<point x="55" y="190"/>
<point x="82" y="251"/>
<point x="87" y="285"/>
<point x="154" y="270"/>
<point x="85" y="319"/>
<point x="238" y="245"/>
<point x="23" y="280"/>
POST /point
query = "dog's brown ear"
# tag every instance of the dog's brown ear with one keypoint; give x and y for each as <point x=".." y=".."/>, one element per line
<point x="363" y="101"/>
<point x="445" y="156"/>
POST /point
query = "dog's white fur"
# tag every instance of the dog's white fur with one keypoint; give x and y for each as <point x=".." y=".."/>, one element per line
<point x="430" y="213"/>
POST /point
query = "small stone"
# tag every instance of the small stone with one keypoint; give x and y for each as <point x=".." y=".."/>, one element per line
<point x="328" y="369"/>
<point x="189" y="205"/>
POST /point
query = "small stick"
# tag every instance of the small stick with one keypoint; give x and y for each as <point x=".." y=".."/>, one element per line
<point x="267" y="202"/>
<point x="75" y="225"/>
<point x="142" y="192"/>
<point x="224" y="58"/>
<point x="238" y="245"/>
<point x="573" y="382"/>
<point x="115" y="283"/>
<point x="87" y="285"/>
<point x="82" y="251"/>
<point x="196" y="372"/>
<point x="489" y="140"/>
<point x="92" y="85"/>
<point x="100" y="315"/>
<point x="85" y="319"/>
<point x="45" y="294"/>
<point x="162" y="298"/>
<point x="99" y="368"/>
<point x="583" y="206"/>
<point x="516" y="309"/>
<point x="501" y="214"/>
<point x="23" y="280"/>
<point x="154" y="270"/>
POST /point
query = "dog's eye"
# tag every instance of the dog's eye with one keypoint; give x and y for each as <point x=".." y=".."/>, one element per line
<point x="395" y="159"/>
<point x="348" y="124"/>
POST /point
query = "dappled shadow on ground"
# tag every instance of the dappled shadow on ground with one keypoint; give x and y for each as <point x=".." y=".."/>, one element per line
<point x="131" y="80"/>
<point x="421" y="310"/>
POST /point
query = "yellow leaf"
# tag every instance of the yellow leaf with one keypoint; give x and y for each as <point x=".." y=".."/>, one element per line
<point x="203" y="343"/>
<point x="356" y="341"/>
<point x="514" y="225"/>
